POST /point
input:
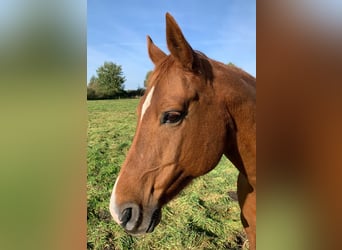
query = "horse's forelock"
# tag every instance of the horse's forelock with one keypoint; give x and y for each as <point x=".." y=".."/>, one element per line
<point x="202" y="67"/>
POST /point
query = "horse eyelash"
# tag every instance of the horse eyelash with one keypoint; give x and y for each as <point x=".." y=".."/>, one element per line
<point x="165" y="114"/>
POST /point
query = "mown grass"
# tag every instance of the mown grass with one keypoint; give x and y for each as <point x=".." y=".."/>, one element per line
<point x="201" y="217"/>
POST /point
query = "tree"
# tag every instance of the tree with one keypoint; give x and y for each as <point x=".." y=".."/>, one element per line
<point x="92" y="88"/>
<point x="91" y="94"/>
<point x="110" y="80"/>
<point x="146" y="78"/>
<point x="92" y="82"/>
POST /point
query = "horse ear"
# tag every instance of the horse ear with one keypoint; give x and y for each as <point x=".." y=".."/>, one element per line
<point x="156" y="54"/>
<point x="177" y="43"/>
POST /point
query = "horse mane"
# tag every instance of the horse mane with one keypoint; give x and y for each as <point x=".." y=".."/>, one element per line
<point x="203" y="66"/>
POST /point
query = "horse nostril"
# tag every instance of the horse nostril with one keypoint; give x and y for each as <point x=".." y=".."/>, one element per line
<point x="125" y="216"/>
<point x="129" y="216"/>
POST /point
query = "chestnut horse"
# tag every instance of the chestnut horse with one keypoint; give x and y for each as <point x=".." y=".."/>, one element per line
<point x="194" y="110"/>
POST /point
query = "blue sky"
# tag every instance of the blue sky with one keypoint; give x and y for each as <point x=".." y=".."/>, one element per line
<point x="224" y="30"/>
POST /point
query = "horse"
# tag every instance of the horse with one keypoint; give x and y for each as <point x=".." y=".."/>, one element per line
<point x="195" y="110"/>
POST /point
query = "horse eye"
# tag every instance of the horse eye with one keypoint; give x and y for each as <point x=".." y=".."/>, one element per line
<point x="172" y="117"/>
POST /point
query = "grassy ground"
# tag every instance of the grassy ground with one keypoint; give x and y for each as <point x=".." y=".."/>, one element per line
<point x="201" y="217"/>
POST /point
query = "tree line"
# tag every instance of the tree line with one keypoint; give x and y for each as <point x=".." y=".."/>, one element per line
<point x="109" y="84"/>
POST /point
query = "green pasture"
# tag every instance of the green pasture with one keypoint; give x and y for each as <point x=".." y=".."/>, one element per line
<point x="202" y="216"/>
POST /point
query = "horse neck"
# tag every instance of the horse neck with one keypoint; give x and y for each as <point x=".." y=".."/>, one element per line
<point x="236" y="90"/>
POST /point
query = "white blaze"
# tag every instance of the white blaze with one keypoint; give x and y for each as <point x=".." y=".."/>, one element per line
<point x="147" y="103"/>
<point x="112" y="204"/>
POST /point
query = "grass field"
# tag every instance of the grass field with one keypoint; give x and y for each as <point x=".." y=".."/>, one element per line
<point x="201" y="217"/>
